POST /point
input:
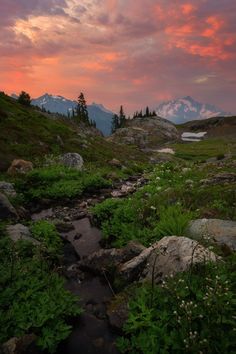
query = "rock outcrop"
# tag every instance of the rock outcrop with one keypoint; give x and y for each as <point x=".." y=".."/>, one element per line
<point x="221" y="232"/>
<point x="170" y="255"/>
<point x="7" y="188"/>
<point x="7" y="211"/>
<point x="20" y="232"/>
<point x="19" y="167"/>
<point x="72" y="160"/>
<point x="146" y="132"/>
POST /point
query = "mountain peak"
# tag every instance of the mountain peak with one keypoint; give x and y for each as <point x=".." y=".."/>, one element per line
<point x="185" y="109"/>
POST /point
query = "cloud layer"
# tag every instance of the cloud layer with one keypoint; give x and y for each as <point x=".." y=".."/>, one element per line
<point x="120" y="51"/>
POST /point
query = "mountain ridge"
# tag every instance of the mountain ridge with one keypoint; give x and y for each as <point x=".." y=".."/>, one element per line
<point x="62" y="105"/>
<point x="184" y="109"/>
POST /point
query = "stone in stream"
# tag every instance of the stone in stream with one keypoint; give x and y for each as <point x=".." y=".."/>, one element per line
<point x="221" y="232"/>
<point x="106" y="260"/>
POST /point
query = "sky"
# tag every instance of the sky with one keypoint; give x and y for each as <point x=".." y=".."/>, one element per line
<point x="130" y="52"/>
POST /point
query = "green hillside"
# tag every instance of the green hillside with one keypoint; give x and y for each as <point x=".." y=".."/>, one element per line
<point x="30" y="134"/>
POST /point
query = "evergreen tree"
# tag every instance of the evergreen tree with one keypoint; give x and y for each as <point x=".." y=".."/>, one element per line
<point x="147" y="114"/>
<point x="115" y="123"/>
<point x="24" y="98"/>
<point x="81" y="110"/>
<point x="122" y="118"/>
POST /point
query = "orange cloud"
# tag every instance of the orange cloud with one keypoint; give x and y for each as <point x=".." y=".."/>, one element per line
<point x="187" y="9"/>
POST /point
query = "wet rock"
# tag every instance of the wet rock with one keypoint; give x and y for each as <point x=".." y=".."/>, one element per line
<point x="173" y="254"/>
<point x="63" y="226"/>
<point x="20" y="167"/>
<point x="221" y="232"/>
<point x="106" y="260"/>
<point x="7" y="189"/>
<point x="19" y="345"/>
<point x="20" y="232"/>
<point x="7" y="211"/>
<point x="72" y="160"/>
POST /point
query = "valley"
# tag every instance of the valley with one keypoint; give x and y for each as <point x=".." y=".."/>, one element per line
<point x="122" y="244"/>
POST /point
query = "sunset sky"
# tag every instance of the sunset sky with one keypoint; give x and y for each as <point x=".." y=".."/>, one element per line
<point x="130" y="52"/>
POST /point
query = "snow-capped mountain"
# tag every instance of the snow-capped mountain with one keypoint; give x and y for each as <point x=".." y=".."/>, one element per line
<point x="60" y="104"/>
<point x="186" y="109"/>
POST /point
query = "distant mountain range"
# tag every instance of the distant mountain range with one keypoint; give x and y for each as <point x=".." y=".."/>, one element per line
<point x="60" y="104"/>
<point x="187" y="109"/>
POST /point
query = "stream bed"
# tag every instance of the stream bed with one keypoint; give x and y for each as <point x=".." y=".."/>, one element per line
<point x="91" y="331"/>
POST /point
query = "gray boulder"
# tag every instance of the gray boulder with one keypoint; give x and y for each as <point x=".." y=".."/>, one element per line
<point x="7" y="188"/>
<point x="7" y="211"/>
<point x="146" y="132"/>
<point x="170" y="255"/>
<point x="221" y="232"/>
<point x="174" y="254"/>
<point x="72" y="160"/>
<point x="20" y="232"/>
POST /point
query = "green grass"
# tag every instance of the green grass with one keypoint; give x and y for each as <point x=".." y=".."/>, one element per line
<point x="205" y="149"/>
<point x="166" y="204"/>
<point x="27" y="133"/>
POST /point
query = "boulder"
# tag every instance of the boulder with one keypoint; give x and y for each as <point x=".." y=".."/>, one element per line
<point x="20" y="345"/>
<point x="20" y="232"/>
<point x="146" y="132"/>
<point x="7" y="188"/>
<point x="174" y="254"/>
<point x="221" y="232"/>
<point x="72" y="160"/>
<point x="115" y="163"/>
<point x="19" y="167"/>
<point x="108" y="259"/>
<point x="7" y="211"/>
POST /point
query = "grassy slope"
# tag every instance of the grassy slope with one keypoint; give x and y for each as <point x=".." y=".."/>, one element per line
<point x="27" y="133"/>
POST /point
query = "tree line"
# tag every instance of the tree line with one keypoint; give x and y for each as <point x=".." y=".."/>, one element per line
<point x="79" y="113"/>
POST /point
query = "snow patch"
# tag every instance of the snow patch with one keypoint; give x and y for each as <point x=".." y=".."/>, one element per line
<point x="167" y="151"/>
<point x="193" y="135"/>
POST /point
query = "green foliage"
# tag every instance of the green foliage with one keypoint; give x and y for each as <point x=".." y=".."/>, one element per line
<point x="46" y="233"/>
<point x="32" y="297"/>
<point x="173" y="221"/>
<point x="174" y="196"/>
<point x="191" y="313"/>
<point x="58" y="182"/>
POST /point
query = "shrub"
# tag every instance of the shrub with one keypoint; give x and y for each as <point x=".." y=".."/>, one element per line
<point x="46" y="233"/>
<point x="173" y="221"/>
<point x="32" y="298"/>
<point x="191" y="313"/>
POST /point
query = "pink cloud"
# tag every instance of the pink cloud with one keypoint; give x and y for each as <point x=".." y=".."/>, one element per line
<point x="134" y="53"/>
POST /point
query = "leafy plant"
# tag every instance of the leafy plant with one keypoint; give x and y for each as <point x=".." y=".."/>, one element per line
<point x="46" y="233"/>
<point x="191" y="313"/>
<point x="32" y="297"/>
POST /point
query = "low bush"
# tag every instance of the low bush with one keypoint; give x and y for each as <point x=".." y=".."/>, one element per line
<point x="193" y="312"/>
<point x="32" y="297"/>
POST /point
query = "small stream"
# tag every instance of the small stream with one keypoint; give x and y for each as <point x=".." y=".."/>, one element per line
<point x="91" y="332"/>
